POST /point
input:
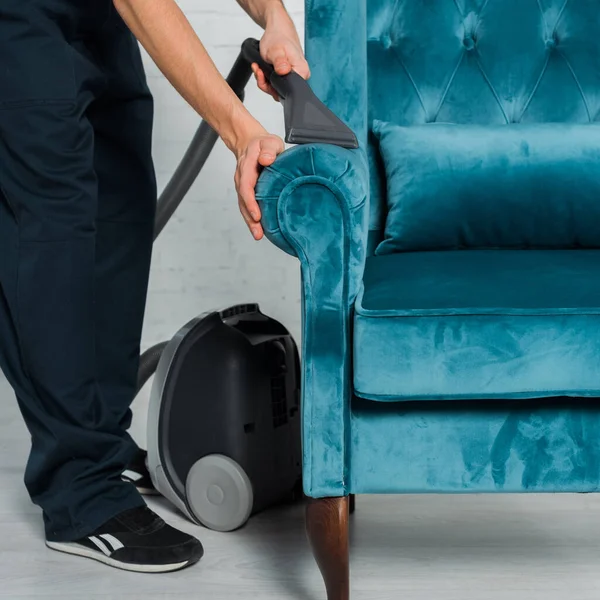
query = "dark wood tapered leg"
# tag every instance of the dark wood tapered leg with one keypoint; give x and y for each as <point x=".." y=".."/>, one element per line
<point x="327" y="529"/>
<point x="352" y="503"/>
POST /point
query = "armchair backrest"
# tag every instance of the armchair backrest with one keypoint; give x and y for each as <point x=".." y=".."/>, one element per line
<point x="455" y="61"/>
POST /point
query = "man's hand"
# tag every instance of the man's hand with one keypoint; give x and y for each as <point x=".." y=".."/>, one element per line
<point x="282" y="49"/>
<point x="280" y="44"/>
<point x="260" y="151"/>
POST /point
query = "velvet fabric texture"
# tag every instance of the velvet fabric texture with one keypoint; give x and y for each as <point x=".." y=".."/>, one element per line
<point x="486" y="186"/>
<point x="486" y="62"/>
<point x="479" y="324"/>
<point x="314" y="206"/>
<point x="465" y="447"/>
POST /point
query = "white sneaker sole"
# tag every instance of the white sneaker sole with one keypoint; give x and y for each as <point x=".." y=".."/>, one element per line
<point x="78" y="550"/>
<point x="148" y="491"/>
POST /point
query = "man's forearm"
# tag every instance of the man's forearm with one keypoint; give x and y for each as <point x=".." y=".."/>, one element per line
<point x="272" y="14"/>
<point x="263" y="11"/>
<point x="169" y="39"/>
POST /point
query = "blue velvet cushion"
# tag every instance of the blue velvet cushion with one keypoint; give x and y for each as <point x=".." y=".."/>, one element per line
<point x="507" y="186"/>
<point x="478" y="324"/>
<point x="458" y="61"/>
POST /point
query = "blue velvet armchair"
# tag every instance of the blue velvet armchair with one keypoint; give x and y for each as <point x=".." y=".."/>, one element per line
<point x="460" y="367"/>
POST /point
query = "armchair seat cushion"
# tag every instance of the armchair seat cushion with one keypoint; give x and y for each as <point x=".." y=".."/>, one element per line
<point x="477" y="324"/>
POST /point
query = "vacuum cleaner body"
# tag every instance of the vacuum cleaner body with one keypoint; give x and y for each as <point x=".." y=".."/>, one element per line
<point x="224" y="417"/>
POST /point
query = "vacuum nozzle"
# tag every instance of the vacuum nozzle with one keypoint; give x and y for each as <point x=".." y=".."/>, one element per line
<point x="307" y="119"/>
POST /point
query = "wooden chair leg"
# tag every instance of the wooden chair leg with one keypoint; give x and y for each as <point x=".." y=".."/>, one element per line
<point x="327" y="529"/>
<point x="352" y="504"/>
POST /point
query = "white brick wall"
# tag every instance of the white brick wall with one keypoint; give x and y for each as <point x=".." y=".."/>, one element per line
<point x="205" y="258"/>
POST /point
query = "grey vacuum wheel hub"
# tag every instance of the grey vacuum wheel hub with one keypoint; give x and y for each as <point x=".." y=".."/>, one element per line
<point x="219" y="493"/>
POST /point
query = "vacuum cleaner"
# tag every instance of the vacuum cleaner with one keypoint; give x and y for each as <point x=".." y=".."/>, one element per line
<point x="224" y="415"/>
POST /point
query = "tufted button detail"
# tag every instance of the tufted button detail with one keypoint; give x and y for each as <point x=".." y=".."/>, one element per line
<point x="469" y="42"/>
<point x="470" y="25"/>
<point x="386" y="41"/>
<point x="552" y="41"/>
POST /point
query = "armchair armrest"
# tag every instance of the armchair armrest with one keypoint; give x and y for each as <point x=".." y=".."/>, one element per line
<point x="314" y="206"/>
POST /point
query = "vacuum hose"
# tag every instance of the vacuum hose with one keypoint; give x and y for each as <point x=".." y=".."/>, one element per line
<point x="197" y="153"/>
<point x="148" y="363"/>
<point x="179" y="185"/>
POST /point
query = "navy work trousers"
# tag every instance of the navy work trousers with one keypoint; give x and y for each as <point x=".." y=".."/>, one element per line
<point x="77" y="203"/>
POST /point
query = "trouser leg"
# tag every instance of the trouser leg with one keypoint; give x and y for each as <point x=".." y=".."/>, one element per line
<point x="122" y="122"/>
<point x="48" y="317"/>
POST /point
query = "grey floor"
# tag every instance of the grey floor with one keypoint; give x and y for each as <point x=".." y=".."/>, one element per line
<point x="409" y="548"/>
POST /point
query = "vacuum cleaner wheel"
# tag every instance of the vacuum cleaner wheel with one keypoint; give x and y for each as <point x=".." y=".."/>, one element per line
<point x="219" y="493"/>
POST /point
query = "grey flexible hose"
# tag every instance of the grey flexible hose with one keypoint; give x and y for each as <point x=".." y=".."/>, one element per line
<point x="148" y="363"/>
<point x="179" y="185"/>
<point x="185" y="175"/>
<point x="197" y="153"/>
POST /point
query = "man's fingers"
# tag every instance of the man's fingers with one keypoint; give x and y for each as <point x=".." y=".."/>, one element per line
<point x="278" y="57"/>
<point x="286" y="59"/>
<point x="249" y="220"/>
<point x="262" y="82"/>
<point x="261" y="152"/>
<point x="247" y="201"/>
<point x="282" y="65"/>
<point x="269" y="149"/>
<point x="302" y="68"/>
<point x="247" y="181"/>
<point x="298" y="61"/>
<point x="260" y="77"/>
<point x="255" y="228"/>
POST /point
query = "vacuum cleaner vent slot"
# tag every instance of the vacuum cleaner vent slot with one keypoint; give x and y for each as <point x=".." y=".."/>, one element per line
<point x="278" y="401"/>
<point x="240" y="309"/>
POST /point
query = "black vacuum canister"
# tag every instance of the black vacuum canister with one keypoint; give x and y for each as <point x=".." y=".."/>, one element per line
<point x="224" y="417"/>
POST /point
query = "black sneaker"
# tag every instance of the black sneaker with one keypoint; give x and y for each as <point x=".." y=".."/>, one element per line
<point x="138" y="474"/>
<point x="137" y="540"/>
